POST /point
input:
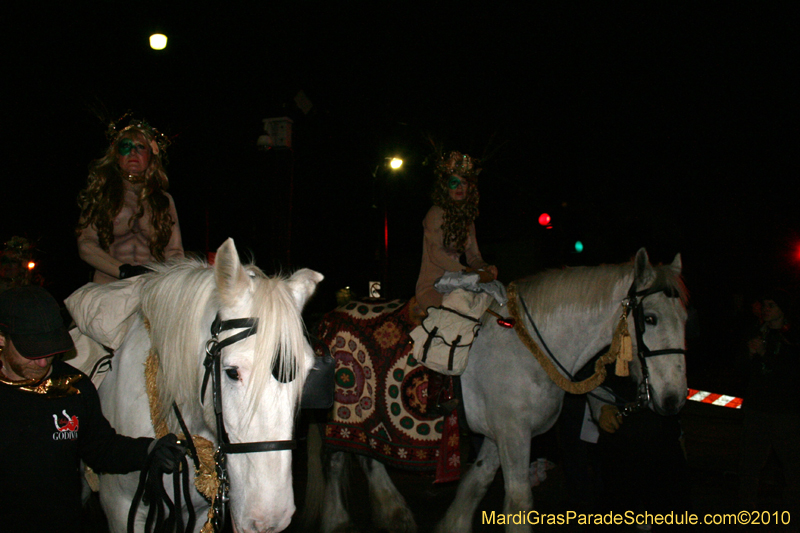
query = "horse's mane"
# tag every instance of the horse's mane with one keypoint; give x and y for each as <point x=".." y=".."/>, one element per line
<point x="180" y="301"/>
<point x="589" y="288"/>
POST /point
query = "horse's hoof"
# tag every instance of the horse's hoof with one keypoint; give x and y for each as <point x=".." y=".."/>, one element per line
<point x="403" y="522"/>
<point x="349" y="527"/>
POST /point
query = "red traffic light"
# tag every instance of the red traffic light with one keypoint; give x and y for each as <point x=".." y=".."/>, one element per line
<point x="544" y="219"/>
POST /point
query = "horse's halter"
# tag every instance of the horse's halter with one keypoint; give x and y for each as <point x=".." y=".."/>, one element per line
<point x="633" y="306"/>
<point x="213" y="366"/>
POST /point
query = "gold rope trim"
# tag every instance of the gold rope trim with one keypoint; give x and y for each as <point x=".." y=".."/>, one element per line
<point x="205" y="480"/>
<point x="151" y="374"/>
<point x="620" y="352"/>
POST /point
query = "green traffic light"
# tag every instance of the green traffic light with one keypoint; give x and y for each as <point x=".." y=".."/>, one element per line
<point x="578" y="247"/>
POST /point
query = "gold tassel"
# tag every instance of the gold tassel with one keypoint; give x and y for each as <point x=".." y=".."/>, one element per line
<point x="625" y="353"/>
<point x="206" y="479"/>
<point x="208" y="527"/>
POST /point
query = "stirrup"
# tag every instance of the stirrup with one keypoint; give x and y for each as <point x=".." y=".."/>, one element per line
<point x="444" y="408"/>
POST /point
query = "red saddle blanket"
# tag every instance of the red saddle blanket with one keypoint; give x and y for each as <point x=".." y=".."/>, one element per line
<point x="380" y="400"/>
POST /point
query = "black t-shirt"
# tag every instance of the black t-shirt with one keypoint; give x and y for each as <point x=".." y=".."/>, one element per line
<point x="41" y="447"/>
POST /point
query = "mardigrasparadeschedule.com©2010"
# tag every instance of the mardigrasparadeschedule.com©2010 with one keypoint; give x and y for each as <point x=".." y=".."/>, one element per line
<point x="534" y="518"/>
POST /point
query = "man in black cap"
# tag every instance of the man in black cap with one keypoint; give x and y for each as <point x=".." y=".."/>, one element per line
<point x="770" y="408"/>
<point x="52" y="419"/>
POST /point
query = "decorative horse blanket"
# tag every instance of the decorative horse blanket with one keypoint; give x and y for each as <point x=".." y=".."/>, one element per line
<point x="380" y="400"/>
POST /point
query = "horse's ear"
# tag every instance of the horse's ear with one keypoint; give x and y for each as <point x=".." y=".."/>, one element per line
<point x="643" y="271"/>
<point x="677" y="264"/>
<point x="303" y="283"/>
<point x="229" y="274"/>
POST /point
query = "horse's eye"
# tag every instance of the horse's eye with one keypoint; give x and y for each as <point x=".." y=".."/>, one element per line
<point x="651" y="320"/>
<point x="232" y="373"/>
<point x="285" y="374"/>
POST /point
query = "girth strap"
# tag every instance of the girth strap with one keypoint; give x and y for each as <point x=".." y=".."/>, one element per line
<point x="666" y="351"/>
<point x="249" y="447"/>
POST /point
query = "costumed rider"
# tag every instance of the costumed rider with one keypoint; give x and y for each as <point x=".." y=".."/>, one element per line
<point x="449" y="234"/>
<point x="128" y="219"/>
<point x="53" y="420"/>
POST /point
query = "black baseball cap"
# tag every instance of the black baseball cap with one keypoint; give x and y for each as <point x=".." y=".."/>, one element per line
<point x="30" y="316"/>
<point x="781" y="298"/>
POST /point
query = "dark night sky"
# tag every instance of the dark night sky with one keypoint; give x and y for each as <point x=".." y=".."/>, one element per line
<point x="669" y="126"/>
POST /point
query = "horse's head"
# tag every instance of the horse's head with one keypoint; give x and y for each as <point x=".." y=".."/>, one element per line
<point x="261" y="382"/>
<point x="660" y="320"/>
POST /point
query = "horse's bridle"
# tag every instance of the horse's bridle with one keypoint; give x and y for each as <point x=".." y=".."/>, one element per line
<point x="633" y="306"/>
<point x="213" y="366"/>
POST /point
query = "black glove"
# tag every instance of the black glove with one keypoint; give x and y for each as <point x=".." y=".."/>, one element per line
<point x="128" y="271"/>
<point x="165" y="454"/>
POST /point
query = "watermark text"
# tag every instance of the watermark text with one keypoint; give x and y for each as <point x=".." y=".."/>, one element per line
<point x="535" y="518"/>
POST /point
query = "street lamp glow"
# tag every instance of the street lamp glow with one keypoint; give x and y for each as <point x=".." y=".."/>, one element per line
<point x="396" y="163"/>
<point x="158" y="41"/>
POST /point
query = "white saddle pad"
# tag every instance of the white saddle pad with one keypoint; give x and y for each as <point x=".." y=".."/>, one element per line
<point x="102" y="315"/>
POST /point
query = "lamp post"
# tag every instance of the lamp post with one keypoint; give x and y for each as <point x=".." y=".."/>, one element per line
<point x="277" y="138"/>
<point x="390" y="165"/>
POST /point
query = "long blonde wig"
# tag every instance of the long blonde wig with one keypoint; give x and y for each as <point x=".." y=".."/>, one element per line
<point x="102" y="199"/>
<point x="458" y="216"/>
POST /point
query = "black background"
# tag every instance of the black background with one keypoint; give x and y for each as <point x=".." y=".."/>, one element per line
<point x="671" y="126"/>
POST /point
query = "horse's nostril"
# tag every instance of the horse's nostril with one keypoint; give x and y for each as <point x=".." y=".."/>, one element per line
<point x="671" y="405"/>
<point x="261" y="527"/>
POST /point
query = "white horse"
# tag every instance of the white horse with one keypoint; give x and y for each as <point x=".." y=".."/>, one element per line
<point x="509" y="398"/>
<point x="261" y="379"/>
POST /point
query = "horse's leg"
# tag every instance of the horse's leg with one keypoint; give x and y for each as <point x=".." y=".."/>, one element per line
<point x="315" y="478"/>
<point x="515" y="451"/>
<point x="335" y="518"/>
<point x="116" y="495"/>
<point x="389" y="508"/>
<point x="471" y="490"/>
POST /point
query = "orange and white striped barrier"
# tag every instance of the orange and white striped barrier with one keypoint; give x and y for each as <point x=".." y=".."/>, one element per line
<point x="714" y="399"/>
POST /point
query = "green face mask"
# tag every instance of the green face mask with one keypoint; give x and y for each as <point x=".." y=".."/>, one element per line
<point x="126" y="146"/>
<point x="454" y="182"/>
